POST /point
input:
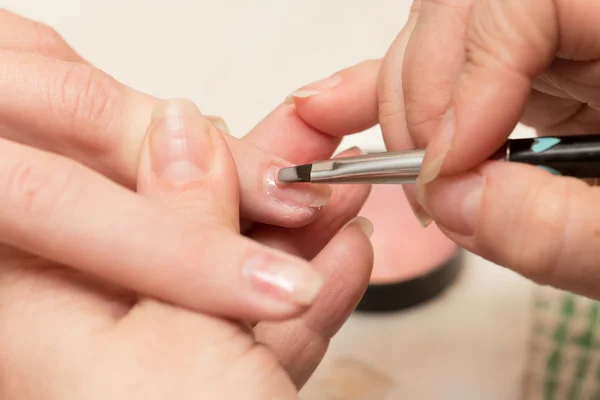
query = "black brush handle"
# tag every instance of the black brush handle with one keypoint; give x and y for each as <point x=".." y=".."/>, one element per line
<point x="576" y="156"/>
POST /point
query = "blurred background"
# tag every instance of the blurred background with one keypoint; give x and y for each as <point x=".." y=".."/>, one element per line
<point x="239" y="59"/>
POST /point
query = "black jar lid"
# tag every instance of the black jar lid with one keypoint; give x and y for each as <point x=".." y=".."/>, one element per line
<point x="396" y="296"/>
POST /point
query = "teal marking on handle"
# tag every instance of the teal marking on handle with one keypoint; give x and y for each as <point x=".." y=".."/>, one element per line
<point x="548" y="169"/>
<point x="544" y="143"/>
<point x="551" y="170"/>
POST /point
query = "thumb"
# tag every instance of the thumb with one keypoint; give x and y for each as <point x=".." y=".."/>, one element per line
<point x="507" y="43"/>
<point x="541" y="226"/>
<point x="186" y="166"/>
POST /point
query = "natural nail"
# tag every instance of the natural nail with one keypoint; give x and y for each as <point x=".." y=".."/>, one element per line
<point x="295" y="195"/>
<point x="363" y="223"/>
<point x="354" y="149"/>
<point x="315" y="88"/>
<point x="436" y="153"/>
<point x="422" y="216"/>
<point x="180" y="143"/>
<point x="457" y="201"/>
<point x="286" y="279"/>
<point x="219" y="123"/>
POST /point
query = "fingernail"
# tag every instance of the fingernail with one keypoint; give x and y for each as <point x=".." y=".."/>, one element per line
<point x="422" y="216"/>
<point x="363" y="223"/>
<point x="219" y="123"/>
<point x="436" y="153"/>
<point x="180" y="143"/>
<point x="457" y="201"/>
<point x="295" y="195"/>
<point x="314" y="88"/>
<point x="354" y="149"/>
<point x="283" y="278"/>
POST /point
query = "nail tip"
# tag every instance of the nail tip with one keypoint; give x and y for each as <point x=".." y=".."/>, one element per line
<point x="367" y="226"/>
<point x="303" y="94"/>
<point x="219" y="123"/>
<point x="283" y="278"/>
<point x="423" y="217"/>
<point x="356" y="149"/>
<point x="290" y="99"/>
<point x="318" y="204"/>
<point x="425" y="221"/>
<point x="364" y="224"/>
<point x="309" y="293"/>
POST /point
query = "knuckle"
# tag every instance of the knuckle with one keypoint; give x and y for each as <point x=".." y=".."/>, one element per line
<point x="427" y="104"/>
<point x="36" y="187"/>
<point x="391" y="113"/>
<point x="91" y="103"/>
<point x="501" y="37"/>
<point x="47" y="41"/>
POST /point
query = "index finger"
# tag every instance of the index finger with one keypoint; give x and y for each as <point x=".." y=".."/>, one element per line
<point x="506" y="45"/>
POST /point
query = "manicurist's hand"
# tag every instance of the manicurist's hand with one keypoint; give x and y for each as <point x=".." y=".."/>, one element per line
<point x="456" y="81"/>
<point x="71" y="142"/>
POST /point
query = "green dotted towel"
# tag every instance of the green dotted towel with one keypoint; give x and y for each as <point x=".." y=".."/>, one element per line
<point x="564" y="359"/>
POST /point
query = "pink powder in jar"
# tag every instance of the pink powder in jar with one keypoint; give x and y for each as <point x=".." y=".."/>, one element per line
<point x="404" y="250"/>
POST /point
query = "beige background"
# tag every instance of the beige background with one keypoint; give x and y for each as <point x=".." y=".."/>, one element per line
<point x="239" y="59"/>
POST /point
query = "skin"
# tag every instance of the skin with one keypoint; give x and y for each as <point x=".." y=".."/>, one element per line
<point x="103" y="127"/>
<point x="456" y="81"/>
<point x="450" y="83"/>
<point x="105" y="293"/>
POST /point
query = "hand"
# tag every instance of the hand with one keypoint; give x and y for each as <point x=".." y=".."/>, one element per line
<point x="458" y="78"/>
<point x="64" y="336"/>
<point x="65" y="213"/>
<point x="66" y="327"/>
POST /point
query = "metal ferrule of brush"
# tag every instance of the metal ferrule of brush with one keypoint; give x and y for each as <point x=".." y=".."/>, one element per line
<point x="379" y="168"/>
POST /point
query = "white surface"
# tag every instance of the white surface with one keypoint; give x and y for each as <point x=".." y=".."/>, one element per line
<point x="239" y="59"/>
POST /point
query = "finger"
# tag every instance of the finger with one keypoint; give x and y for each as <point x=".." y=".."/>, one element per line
<point x="103" y="127"/>
<point x="264" y="199"/>
<point x="304" y="143"/>
<point x="576" y="80"/>
<point x="186" y="166"/>
<point x="390" y="88"/>
<point x="61" y="211"/>
<point x="393" y="112"/>
<point x="541" y="226"/>
<point x="284" y="134"/>
<point x="80" y="112"/>
<point x="348" y="107"/>
<point x="431" y="64"/>
<point x="547" y="113"/>
<point x="508" y="44"/>
<point x="199" y="354"/>
<point x="415" y="86"/>
<point x="300" y="344"/>
<point x="24" y="35"/>
<point x="306" y="242"/>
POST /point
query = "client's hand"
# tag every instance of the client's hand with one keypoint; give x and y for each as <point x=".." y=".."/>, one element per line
<point x="68" y="337"/>
<point x="71" y="138"/>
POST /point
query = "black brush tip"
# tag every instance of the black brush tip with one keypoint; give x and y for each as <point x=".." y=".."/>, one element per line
<point x="300" y="173"/>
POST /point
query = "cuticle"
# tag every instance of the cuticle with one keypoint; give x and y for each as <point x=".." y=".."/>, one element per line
<point x="271" y="180"/>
